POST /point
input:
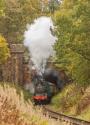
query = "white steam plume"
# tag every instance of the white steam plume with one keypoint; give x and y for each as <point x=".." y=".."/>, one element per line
<point x="40" y="41"/>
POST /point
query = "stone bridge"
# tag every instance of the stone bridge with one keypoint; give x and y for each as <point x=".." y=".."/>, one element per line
<point x="16" y="69"/>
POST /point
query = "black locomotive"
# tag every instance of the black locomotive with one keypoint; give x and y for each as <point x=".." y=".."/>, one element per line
<point x="43" y="92"/>
<point x="46" y="86"/>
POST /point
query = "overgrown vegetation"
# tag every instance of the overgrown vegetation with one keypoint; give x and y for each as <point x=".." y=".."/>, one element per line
<point x="73" y="100"/>
<point x="26" y="93"/>
<point x="72" y="23"/>
<point x="73" y="45"/>
<point x="17" y="14"/>
<point x="14" y="110"/>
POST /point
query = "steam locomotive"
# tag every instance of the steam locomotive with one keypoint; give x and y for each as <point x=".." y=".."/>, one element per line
<point x="43" y="92"/>
<point x="45" y="87"/>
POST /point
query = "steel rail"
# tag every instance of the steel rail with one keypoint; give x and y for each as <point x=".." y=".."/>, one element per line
<point x="64" y="118"/>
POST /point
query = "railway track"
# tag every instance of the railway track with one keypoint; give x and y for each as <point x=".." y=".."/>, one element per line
<point x="63" y="118"/>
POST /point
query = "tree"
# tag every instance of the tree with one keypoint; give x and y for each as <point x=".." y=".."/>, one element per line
<point x="18" y="13"/>
<point x="4" y="51"/>
<point x="53" y="5"/>
<point x="1" y="8"/>
<point x="73" y="45"/>
<point x="49" y="6"/>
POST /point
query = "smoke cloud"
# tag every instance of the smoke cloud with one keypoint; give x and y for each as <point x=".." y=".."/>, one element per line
<point x="39" y="40"/>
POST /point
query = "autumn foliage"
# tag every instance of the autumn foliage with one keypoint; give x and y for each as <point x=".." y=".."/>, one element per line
<point x="4" y="50"/>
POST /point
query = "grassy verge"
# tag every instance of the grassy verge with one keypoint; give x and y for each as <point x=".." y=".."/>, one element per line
<point x="85" y="114"/>
<point x="73" y="100"/>
<point x="26" y="94"/>
<point x="15" y="110"/>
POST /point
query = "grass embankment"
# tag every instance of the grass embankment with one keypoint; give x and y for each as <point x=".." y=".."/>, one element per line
<point x="73" y="100"/>
<point x="15" y="110"/>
